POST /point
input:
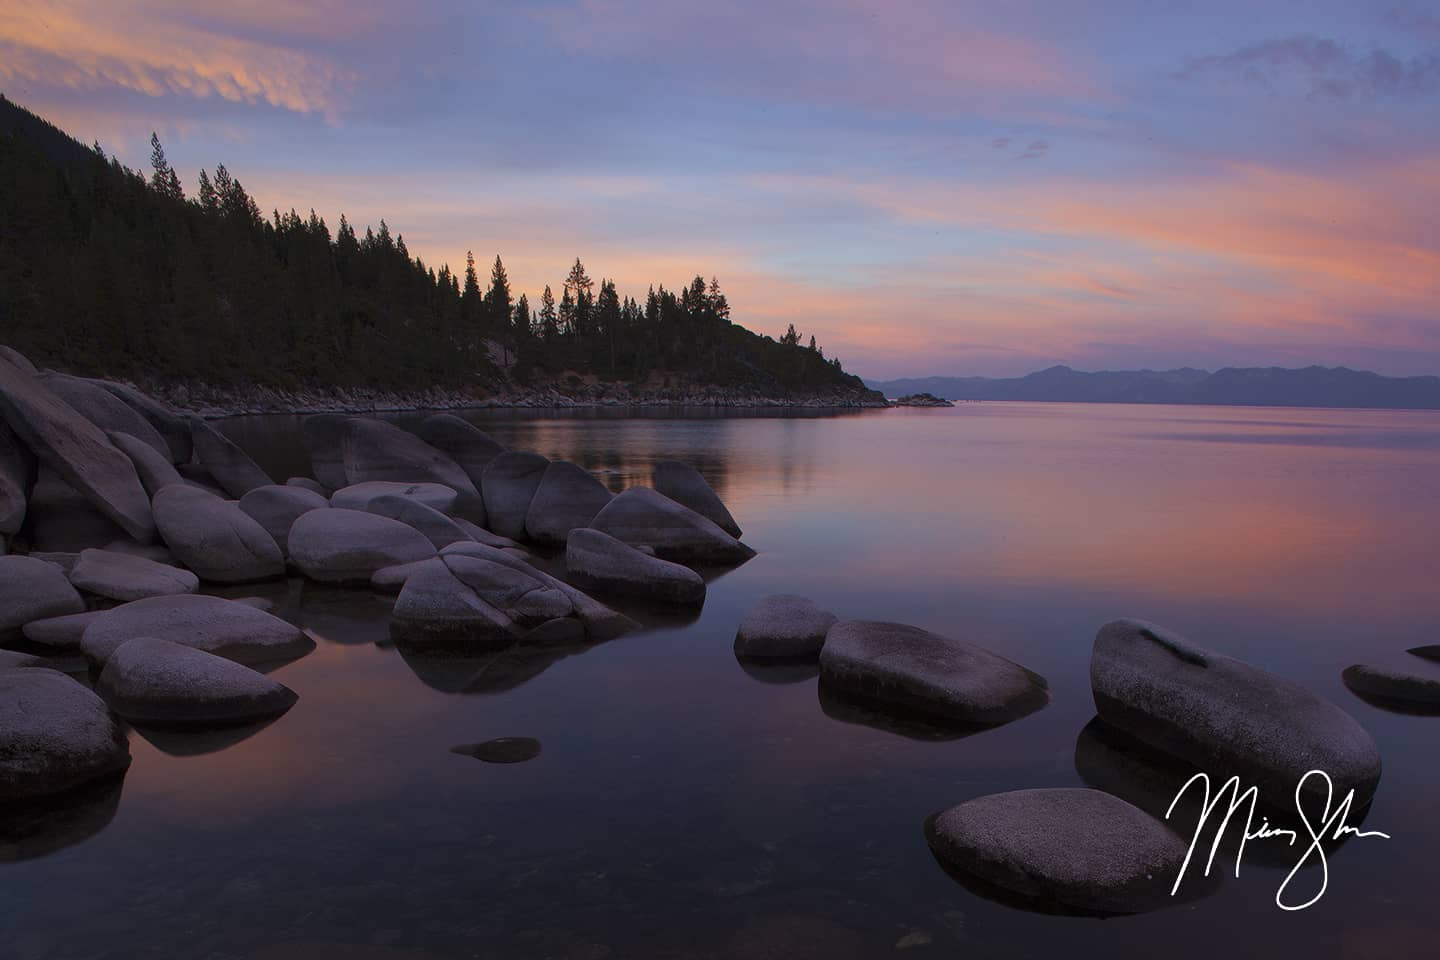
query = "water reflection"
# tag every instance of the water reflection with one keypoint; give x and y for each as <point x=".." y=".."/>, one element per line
<point x="39" y="827"/>
<point x="191" y="742"/>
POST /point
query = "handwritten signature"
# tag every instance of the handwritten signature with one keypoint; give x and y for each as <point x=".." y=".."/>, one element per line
<point x="1333" y="826"/>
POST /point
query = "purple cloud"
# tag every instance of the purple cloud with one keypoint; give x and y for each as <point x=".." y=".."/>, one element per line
<point x="1319" y="68"/>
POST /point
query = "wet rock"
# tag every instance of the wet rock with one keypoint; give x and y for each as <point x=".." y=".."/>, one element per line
<point x="105" y="410"/>
<point x="435" y="609"/>
<point x="54" y="735"/>
<point x="684" y="484"/>
<point x="438" y="528"/>
<point x="17" y="474"/>
<point x="215" y="538"/>
<point x="640" y="516"/>
<point x="1409" y="678"/>
<point x="1225" y="716"/>
<point x="509" y="483"/>
<point x="155" y="470"/>
<point x="147" y="680"/>
<point x="225" y="628"/>
<point x="783" y="626"/>
<point x="501" y="750"/>
<point x="348" y="546"/>
<point x="75" y="449"/>
<point x="597" y="562"/>
<point x="305" y="483"/>
<point x="122" y="577"/>
<point x="568" y="497"/>
<point x="358" y="496"/>
<point x="231" y="467"/>
<point x="1073" y="849"/>
<point x="61" y="635"/>
<point x="169" y="424"/>
<point x="520" y="594"/>
<point x="905" y="668"/>
<point x="321" y="434"/>
<point x="32" y="589"/>
<point x="276" y="508"/>
<point x="466" y="443"/>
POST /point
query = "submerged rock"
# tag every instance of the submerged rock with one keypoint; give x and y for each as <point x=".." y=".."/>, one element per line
<point x="1413" y="678"/>
<point x="438" y="528"/>
<point x="1225" y="716"/>
<point x="33" y="589"/>
<point x="123" y="577"/>
<point x="215" y="538"/>
<point x="231" y="467"/>
<point x="568" y="497"/>
<point x="226" y="628"/>
<point x="509" y="482"/>
<point x="598" y="562"/>
<point x="906" y="668"/>
<point x="466" y="443"/>
<point x="783" y="626"/>
<point x="148" y="680"/>
<point x="359" y="496"/>
<point x="684" y="484"/>
<point x="501" y="750"/>
<point x="54" y="735"/>
<point x="276" y="508"/>
<point x="348" y="546"/>
<point x="155" y="470"/>
<point x="642" y="517"/>
<point x="1072" y="849"/>
<point x="77" y="450"/>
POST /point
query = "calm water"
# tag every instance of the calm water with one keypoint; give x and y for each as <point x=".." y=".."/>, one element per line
<point x="683" y="807"/>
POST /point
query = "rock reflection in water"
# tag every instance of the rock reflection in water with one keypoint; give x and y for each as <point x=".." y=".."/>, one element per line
<point x="39" y="827"/>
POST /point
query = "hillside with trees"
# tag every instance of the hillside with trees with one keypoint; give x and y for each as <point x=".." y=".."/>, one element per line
<point x="104" y="270"/>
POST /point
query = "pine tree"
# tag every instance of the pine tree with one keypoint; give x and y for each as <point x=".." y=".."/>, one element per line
<point x="577" y="289"/>
<point x="547" y="319"/>
<point x="209" y="199"/>
<point x="163" y="180"/>
<point x="498" y="297"/>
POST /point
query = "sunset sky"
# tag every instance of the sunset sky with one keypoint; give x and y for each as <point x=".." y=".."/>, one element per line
<point x="928" y="187"/>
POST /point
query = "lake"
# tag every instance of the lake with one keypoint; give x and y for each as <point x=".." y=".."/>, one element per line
<point x="684" y="806"/>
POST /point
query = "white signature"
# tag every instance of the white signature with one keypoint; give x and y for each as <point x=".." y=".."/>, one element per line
<point x="1332" y="827"/>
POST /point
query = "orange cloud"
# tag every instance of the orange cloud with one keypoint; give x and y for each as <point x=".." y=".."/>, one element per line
<point x="88" y="45"/>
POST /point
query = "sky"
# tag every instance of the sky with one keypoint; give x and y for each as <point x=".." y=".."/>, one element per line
<point x="930" y="187"/>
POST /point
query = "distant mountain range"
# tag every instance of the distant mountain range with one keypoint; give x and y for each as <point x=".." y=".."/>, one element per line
<point x="1236" y="386"/>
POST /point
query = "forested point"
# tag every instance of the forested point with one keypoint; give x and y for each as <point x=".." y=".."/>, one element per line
<point x="104" y="271"/>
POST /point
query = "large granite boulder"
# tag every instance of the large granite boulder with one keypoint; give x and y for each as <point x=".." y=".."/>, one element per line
<point x="226" y="628"/>
<point x="169" y="424"/>
<point x="17" y="475"/>
<point x="75" y="449"/>
<point x="391" y="580"/>
<point x="348" y="546"/>
<point x="435" y="608"/>
<point x="61" y="635"/>
<point x="684" y="484"/>
<point x="104" y="409"/>
<point x="600" y="622"/>
<point x="215" y="538"/>
<point x="904" y="668"/>
<point x="60" y="518"/>
<point x="1063" y="850"/>
<point x="599" y="563"/>
<point x="376" y="450"/>
<point x="568" y="497"/>
<point x="466" y="443"/>
<point x="1409" y="678"/>
<point x="18" y="360"/>
<point x="276" y="508"/>
<point x="153" y="681"/>
<point x="1225" y="716"/>
<point x="306" y="483"/>
<point x="509" y="482"/>
<point x="642" y="517"/>
<point x="321" y="434"/>
<point x="54" y="735"/>
<point x="358" y="496"/>
<point x="519" y="594"/>
<point x="231" y="467"/>
<point x="440" y="529"/>
<point x="33" y="589"/>
<point x="155" y="470"/>
<point x="125" y="577"/>
<point x="783" y="626"/>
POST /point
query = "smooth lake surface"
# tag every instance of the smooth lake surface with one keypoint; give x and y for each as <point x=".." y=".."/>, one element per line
<point x="682" y="806"/>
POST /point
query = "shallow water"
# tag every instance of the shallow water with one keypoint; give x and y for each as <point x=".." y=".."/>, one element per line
<point x="685" y="807"/>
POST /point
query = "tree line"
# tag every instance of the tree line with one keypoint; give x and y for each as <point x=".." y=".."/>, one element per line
<point x="104" y="270"/>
